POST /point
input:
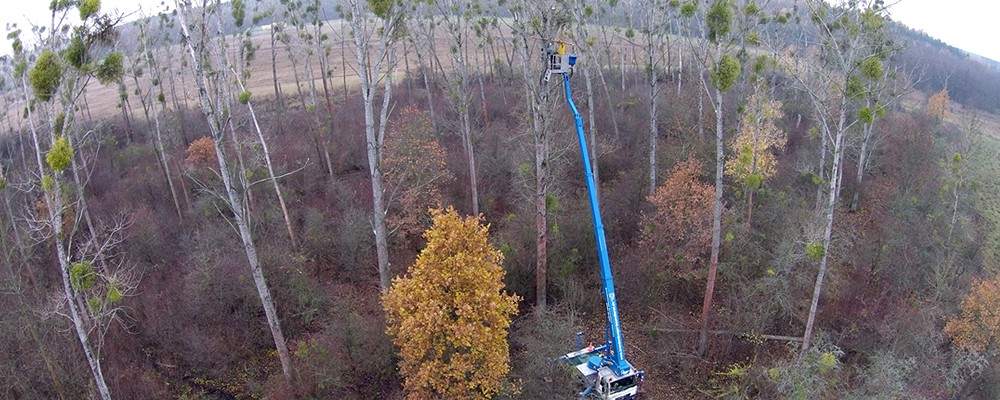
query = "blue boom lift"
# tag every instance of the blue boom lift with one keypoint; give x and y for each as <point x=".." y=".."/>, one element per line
<point x="605" y="372"/>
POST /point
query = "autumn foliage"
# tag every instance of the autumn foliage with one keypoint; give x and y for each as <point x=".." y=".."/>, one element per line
<point x="937" y="104"/>
<point x="415" y="170"/>
<point x="754" y="145"/>
<point x="449" y="315"/>
<point x="201" y="152"/>
<point x="978" y="327"/>
<point x="682" y="221"/>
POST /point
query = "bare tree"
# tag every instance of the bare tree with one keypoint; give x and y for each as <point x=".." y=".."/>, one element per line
<point x="726" y="25"/>
<point x="155" y="85"/>
<point x="532" y="21"/>
<point x="60" y="73"/>
<point x="832" y="80"/>
<point x="652" y="23"/>
<point x="245" y="56"/>
<point x="215" y="112"/>
<point x="376" y="26"/>
<point x="457" y="16"/>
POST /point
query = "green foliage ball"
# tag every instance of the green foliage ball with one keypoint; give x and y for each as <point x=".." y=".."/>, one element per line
<point x="3" y="184"/>
<point x="89" y="8"/>
<point x="815" y="250"/>
<point x="48" y="182"/>
<point x="872" y="68"/>
<point x="244" y="97"/>
<point x="58" y="124"/>
<point x="866" y="115"/>
<point x="60" y="155"/>
<point x="95" y="304"/>
<point x="114" y="295"/>
<point x="726" y="72"/>
<point x="719" y="19"/>
<point x="45" y="76"/>
<point x="239" y="12"/>
<point x="755" y="180"/>
<point x="551" y="203"/>
<point x="759" y="64"/>
<point x="381" y="8"/>
<point x="110" y="69"/>
<point x="688" y="9"/>
<point x="855" y="88"/>
<point x="17" y="46"/>
<point x="82" y="275"/>
<point x="76" y="52"/>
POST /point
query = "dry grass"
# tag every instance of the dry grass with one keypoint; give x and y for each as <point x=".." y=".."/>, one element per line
<point x="957" y="114"/>
<point x="102" y="101"/>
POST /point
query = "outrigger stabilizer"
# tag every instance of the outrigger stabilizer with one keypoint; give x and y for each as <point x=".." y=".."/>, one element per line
<point x="604" y="371"/>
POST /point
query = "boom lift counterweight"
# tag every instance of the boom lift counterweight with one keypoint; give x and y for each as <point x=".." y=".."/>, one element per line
<point x="604" y="370"/>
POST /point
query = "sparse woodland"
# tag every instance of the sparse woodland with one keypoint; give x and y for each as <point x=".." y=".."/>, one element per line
<point x="381" y="199"/>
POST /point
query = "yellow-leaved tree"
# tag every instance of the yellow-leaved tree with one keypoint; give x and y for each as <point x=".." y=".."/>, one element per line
<point x="978" y="327"/>
<point x="937" y="105"/>
<point x="757" y="139"/>
<point x="449" y="315"/>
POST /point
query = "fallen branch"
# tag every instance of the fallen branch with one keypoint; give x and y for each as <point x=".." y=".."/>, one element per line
<point x="745" y="335"/>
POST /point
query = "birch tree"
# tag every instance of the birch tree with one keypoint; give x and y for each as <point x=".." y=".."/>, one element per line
<point x="832" y="80"/>
<point x="215" y="111"/>
<point x="652" y="24"/>
<point x="91" y="296"/>
<point x="245" y="56"/>
<point x="883" y="89"/>
<point x="583" y="15"/>
<point x="723" y="71"/>
<point x="157" y="99"/>
<point x="377" y="25"/>
<point x="457" y="17"/>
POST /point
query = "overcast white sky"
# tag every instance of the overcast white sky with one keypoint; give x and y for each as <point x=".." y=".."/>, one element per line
<point x="971" y="25"/>
<point x="37" y="11"/>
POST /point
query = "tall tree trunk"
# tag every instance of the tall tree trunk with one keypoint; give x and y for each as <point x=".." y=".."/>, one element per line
<point x="179" y="110"/>
<point x="831" y="206"/>
<point x="612" y="108"/>
<point x="237" y="205"/>
<point x="461" y="90"/>
<point x="713" y="265"/>
<point x="321" y="58"/>
<point x="701" y="107"/>
<point x="160" y="151"/>
<point x="371" y="71"/>
<point x="821" y="168"/>
<point x="470" y="154"/>
<point x="541" y="213"/>
<point x="862" y="162"/>
<point x="654" y="132"/>
<point x="538" y="98"/>
<point x="591" y="120"/>
<point x="270" y="170"/>
<point x="274" y="77"/>
<point x="123" y="98"/>
<point x="428" y="87"/>
<point x="54" y="207"/>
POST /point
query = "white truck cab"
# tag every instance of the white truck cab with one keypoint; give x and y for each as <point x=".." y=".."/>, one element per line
<point x="602" y="383"/>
